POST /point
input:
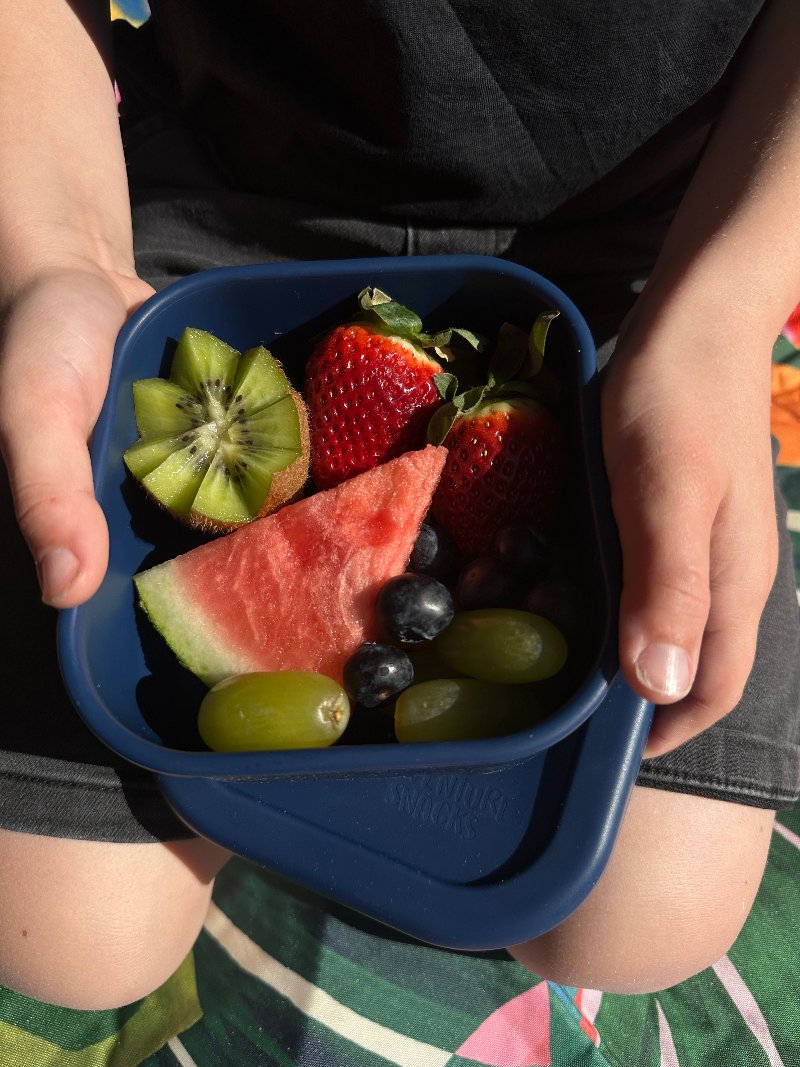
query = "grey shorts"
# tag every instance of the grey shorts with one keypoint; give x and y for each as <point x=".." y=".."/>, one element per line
<point x="57" y="779"/>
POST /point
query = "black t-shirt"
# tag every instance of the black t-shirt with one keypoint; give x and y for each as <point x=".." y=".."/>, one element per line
<point x="451" y="110"/>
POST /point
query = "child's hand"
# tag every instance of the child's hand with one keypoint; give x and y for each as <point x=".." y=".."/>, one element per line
<point x="55" y="357"/>
<point x="686" y="441"/>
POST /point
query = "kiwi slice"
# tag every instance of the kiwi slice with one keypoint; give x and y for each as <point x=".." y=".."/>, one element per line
<point x="224" y="439"/>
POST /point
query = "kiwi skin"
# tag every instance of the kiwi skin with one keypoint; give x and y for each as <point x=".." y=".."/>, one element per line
<point x="287" y="484"/>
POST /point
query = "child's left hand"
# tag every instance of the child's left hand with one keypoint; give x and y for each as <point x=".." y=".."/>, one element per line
<point x="687" y="448"/>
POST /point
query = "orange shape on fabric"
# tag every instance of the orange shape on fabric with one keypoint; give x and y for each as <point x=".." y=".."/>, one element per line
<point x="785" y="412"/>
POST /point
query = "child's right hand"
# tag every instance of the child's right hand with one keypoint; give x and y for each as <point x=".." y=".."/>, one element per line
<point x="55" y="357"/>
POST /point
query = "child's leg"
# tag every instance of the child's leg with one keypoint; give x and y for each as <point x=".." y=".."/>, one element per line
<point x="694" y="841"/>
<point x="92" y="924"/>
<point x="102" y="889"/>
<point x="672" y="900"/>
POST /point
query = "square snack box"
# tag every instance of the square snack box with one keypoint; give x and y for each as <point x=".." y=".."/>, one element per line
<point x="470" y="845"/>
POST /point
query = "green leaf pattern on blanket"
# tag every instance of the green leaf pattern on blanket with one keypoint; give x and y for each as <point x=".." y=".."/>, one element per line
<point x="33" y="1034"/>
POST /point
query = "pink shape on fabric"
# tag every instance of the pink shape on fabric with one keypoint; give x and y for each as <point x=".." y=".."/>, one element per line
<point x="791" y="331"/>
<point x="517" y="1034"/>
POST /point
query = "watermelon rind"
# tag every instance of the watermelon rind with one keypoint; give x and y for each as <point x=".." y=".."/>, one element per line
<point x="195" y="643"/>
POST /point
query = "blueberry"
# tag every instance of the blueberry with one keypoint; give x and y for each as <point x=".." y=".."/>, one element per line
<point x="434" y="553"/>
<point x="486" y="583"/>
<point x="414" y="607"/>
<point x="376" y="673"/>
<point x="523" y="550"/>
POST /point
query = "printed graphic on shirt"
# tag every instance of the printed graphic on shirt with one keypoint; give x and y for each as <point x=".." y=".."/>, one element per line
<point x="134" y="11"/>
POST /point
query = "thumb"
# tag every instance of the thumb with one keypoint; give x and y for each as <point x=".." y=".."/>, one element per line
<point x="64" y="526"/>
<point x="56" y="354"/>
<point x="56" y="350"/>
<point x="665" y="516"/>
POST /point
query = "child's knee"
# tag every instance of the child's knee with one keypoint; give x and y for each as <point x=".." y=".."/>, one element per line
<point x="90" y="926"/>
<point x="673" y="899"/>
<point x="93" y="972"/>
<point x="620" y="956"/>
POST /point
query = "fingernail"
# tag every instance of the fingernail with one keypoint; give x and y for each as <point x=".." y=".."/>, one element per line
<point x="665" y="669"/>
<point x="57" y="570"/>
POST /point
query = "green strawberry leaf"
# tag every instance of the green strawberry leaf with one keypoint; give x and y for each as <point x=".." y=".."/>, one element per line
<point x="451" y="345"/>
<point x="445" y="337"/>
<point x="446" y="385"/>
<point x="518" y="356"/>
<point x="472" y="339"/>
<point x="439" y="343"/>
<point x="509" y="355"/>
<point x="536" y="342"/>
<point x="471" y="400"/>
<point x="441" y="422"/>
<point x="399" y="319"/>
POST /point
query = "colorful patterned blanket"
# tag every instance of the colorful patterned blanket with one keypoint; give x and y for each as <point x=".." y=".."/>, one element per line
<point x="278" y="980"/>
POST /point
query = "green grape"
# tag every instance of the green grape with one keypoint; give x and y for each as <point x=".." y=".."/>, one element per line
<point x="460" y="709"/>
<point x="272" y="710"/>
<point x="502" y="645"/>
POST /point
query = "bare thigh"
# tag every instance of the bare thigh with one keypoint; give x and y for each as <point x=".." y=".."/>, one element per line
<point x="672" y="900"/>
<point x="90" y="925"/>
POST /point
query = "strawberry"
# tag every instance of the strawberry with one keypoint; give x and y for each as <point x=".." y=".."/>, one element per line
<point x="370" y="388"/>
<point x="506" y="446"/>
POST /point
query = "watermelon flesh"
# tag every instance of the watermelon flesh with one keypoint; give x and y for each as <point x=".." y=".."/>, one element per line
<point x="295" y="590"/>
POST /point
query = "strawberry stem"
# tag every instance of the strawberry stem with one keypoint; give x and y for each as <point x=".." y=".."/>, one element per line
<point x="518" y="356"/>
<point x="405" y="323"/>
<point x="513" y="370"/>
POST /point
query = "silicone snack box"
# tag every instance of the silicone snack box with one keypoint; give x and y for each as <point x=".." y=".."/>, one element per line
<point x="470" y="845"/>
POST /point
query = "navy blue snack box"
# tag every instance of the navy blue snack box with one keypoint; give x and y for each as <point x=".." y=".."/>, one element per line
<point x="470" y="845"/>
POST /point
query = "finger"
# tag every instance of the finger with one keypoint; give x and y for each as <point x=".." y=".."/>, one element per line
<point x="54" y="366"/>
<point x="738" y="595"/>
<point x="665" y="515"/>
<point x="44" y="426"/>
<point x="51" y="483"/>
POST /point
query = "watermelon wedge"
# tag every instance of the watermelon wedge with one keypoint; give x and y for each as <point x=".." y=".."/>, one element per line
<point x="295" y="590"/>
